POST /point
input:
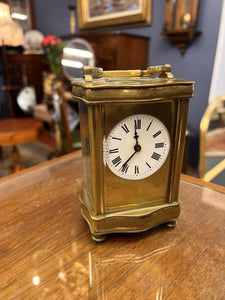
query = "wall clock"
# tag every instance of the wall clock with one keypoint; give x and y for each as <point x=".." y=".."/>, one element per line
<point x="133" y="133"/>
<point x="180" y="25"/>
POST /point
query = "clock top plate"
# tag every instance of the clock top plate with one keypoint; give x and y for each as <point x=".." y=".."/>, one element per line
<point x="128" y="85"/>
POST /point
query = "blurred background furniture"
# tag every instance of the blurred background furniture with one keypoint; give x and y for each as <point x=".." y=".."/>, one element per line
<point x="212" y="140"/>
<point x="180" y="25"/>
<point x="30" y="70"/>
<point x="26" y="70"/>
<point x="119" y="51"/>
<point x="60" y="114"/>
<point x="110" y="51"/>
<point x="14" y="131"/>
<point x="34" y="92"/>
<point x="11" y="35"/>
<point x="57" y="108"/>
<point x="67" y="121"/>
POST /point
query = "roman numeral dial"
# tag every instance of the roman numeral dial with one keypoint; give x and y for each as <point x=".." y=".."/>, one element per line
<point x="137" y="147"/>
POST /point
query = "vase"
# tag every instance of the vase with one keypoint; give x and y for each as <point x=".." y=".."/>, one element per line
<point x="55" y="68"/>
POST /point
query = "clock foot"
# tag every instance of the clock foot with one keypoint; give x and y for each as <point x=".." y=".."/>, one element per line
<point x="172" y="224"/>
<point x="98" y="237"/>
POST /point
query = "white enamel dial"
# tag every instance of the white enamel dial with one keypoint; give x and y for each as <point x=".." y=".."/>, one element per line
<point x="137" y="147"/>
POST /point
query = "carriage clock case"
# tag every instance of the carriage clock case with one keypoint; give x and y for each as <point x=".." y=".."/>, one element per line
<point x="132" y="125"/>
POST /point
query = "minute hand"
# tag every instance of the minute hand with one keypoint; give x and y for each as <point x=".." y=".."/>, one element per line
<point x="129" y="159"/>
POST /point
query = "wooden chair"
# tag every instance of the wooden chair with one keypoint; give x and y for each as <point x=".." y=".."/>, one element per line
<point x="70" y="137"/>
<point x="55" y="111"/>
<point x="212" y="124"/>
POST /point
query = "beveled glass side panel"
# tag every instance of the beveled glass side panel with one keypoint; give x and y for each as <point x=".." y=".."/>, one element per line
<point x="85" y="141"/>
<point x="119" y="193"/>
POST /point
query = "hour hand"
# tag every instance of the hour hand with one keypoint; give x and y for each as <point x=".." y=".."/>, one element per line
<point x="136" y="136"/>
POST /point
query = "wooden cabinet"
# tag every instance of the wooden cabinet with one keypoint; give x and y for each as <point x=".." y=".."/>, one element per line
<point x="118" y="51"/>
<point x="27" y="69"/>
<point x="22" y="70"/>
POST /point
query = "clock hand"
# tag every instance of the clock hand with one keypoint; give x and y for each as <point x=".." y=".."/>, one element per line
<point x="136" y="136"/>
<point x="128" y="159"/>
<point x="137" y="148"/>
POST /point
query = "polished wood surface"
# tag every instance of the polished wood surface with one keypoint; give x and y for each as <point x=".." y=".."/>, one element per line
<point x="46" y="250"/>
<point x="14" y="131"/>
<point x="18" y="130"/>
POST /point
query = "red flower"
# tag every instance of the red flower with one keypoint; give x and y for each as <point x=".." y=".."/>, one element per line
<point x="51" y="40"/>
<point x="53" y="46"/>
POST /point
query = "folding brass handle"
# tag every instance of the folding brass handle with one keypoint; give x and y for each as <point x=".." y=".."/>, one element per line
<point x="164" y="71"/>
<point x="161" y="70"/>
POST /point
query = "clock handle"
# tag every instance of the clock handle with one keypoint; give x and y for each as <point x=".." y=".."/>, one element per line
<point x="164" y="71"/>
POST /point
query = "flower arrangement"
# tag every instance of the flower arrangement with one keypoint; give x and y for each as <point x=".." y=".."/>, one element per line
<point x="53" y="47"/>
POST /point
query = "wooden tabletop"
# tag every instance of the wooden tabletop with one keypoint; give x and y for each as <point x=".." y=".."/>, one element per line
<point x="46" y="250"/>
<point x="18" y="130"/>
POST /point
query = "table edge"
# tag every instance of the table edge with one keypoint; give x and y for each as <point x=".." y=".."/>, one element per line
<point x="39" y="166"/>
<point x="198" y="181"/>
<point x="74" y="154"/>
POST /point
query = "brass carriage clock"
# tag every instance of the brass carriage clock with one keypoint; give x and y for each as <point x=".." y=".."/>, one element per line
<point x="133" y="133"/>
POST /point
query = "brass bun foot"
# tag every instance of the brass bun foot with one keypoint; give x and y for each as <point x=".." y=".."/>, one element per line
<point x="98" y="237"/>
<point x="172" y="224"/>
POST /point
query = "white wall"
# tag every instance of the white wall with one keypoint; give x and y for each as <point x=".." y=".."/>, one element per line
<point x="217" y="86"/>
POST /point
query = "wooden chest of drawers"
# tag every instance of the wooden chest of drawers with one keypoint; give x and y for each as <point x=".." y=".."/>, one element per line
<point x="118" y="51"/>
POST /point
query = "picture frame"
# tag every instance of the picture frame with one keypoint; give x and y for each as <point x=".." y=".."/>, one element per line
<point x="93" y="14"/>
<point x="24" y="7"/>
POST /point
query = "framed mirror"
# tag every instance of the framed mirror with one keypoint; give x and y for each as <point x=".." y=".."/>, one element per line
<point x="76" y="54"/>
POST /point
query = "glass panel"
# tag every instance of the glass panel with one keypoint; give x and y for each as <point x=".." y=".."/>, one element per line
<point x="158" y="182"/>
